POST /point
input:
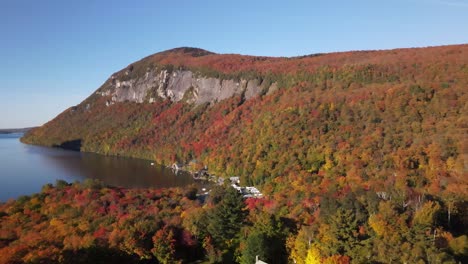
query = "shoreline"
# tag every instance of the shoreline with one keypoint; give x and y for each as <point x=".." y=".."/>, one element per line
<point x="202" y="176"/>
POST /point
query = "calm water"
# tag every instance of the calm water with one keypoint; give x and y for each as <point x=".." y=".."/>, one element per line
<point x="24" y="169"/>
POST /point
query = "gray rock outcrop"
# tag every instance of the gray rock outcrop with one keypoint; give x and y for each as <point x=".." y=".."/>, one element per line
<point x="177" y="86"/>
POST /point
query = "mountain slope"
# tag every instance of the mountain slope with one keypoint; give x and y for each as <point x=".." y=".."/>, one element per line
<point x="347" y="119"/>
<point x="361" y="157"/>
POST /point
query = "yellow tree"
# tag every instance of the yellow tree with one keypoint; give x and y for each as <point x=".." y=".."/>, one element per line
<point x="313" y="256"/>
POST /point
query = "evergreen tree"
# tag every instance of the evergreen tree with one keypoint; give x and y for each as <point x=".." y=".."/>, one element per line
<point x="226" y="220"/>
<point x="255" y="245"/>
<point x="266" y="239"/>
<point x="343" y="237"/>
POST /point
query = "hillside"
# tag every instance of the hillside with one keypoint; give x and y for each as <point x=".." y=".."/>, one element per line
<point x="362" y="151"/>
<point x="365" y="115"/>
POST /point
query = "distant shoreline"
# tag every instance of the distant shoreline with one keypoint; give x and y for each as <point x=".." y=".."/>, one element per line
<point x="15" y="130"/>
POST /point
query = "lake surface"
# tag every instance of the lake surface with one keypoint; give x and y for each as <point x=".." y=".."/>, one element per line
<point x="24" y="169"/>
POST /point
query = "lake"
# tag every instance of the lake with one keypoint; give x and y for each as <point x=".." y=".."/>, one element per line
<point x="24" y="169"/>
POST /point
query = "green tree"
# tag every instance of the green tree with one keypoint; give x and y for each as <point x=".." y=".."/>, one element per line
<point x="266" y="238"/>
<point x="343" y="237"/>
<point x="226" y="220"/>
<point x="256" y="244"/>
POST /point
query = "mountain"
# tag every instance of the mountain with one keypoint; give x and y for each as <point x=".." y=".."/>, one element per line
<point x="360" y="156"/>
<point x="365" y="115"/>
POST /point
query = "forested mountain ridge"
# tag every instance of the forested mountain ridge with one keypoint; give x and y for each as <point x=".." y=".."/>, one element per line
<point x="361" y="155"/>
<point x="266" y="118"/>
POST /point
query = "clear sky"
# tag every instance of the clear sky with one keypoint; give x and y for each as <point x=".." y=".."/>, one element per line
<point x="56" y="53"/>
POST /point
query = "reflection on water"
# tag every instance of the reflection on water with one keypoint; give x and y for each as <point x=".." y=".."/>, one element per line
<point x="116" y="171"/>
<point x="24" y="169"/>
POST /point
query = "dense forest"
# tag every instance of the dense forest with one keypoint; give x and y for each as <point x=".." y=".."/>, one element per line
<point x="361" y="157"/>
<point x="91" y="223"/>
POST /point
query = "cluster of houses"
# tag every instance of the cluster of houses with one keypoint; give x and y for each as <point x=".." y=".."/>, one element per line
<point x="247" y="191"/>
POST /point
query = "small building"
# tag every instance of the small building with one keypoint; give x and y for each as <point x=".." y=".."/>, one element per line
<point x="257" y="261"/>
<point x="238" y="188"/>
<point x="220" y="181"/>
<point x="234" y="180"/>
<point x="248" y="191"/>
<point x="177" y="166"/>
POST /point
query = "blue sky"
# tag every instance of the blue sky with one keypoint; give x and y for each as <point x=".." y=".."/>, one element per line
<point x="56" y="53"/>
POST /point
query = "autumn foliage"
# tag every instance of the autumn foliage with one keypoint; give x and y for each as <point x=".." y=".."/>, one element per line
<point x="355" y="152"/>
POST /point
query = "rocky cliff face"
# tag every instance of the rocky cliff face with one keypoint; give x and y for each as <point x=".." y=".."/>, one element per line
<point x="178" y="85"/>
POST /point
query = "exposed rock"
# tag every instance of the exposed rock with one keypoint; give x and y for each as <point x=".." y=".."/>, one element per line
<point x="214" y="90"/>
<point x="179" y="85"/>
<point x="272" y="89"/>
<point x="252" y="89"/>
<point x="135" y="90"/>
